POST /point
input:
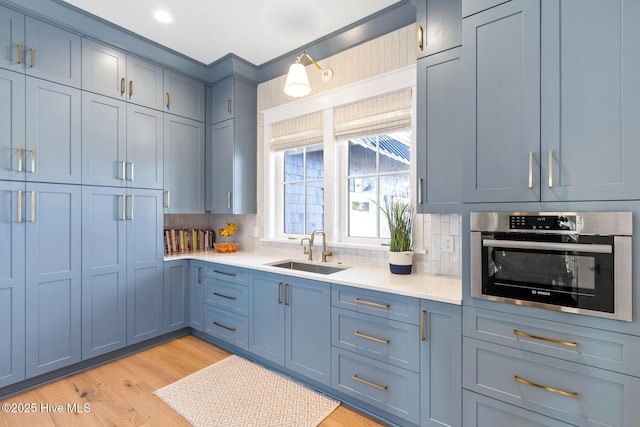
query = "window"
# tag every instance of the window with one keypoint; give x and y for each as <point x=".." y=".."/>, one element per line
<point x="303" y="189"/>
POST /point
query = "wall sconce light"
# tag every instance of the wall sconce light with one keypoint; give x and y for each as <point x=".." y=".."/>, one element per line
<point x="297" y="84"/>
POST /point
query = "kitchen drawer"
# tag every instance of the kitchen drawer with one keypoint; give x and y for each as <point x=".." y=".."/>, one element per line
<point x="482" y="411"/>
<point x="602" y="398"/>
<point x="227" y="326"/>
<point x="392" y="389"/>
<point x="228" y="296"/>
<point x="386" y="340"/>
<point x="602" y="349"/>
<point x="227" y="273"/>
<point x="381" y="304"/>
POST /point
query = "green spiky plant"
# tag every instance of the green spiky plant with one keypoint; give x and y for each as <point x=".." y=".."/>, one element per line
<point x="400" y="219"/>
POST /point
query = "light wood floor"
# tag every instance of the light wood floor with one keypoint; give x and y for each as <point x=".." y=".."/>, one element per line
<point x="119" y="393"/>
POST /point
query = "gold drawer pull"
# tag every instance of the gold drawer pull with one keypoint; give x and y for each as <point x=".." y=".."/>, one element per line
<point x="537" y="337"/>
<point x="19" y="159"/>
<point x="369" y="383"/>
<point x="420" y="38"/>
<point x="224" y="272"/>
<point x="369" y="337"/>
<point x="224" y="296"/>
<point x="19" y="53"/>
<point x="375" y="304"/>
<point x="122" y="84"/>
<point x="33" y="57"/>
<point x="572" y="394"/>
<point x="423" y="335"/>
<point x="228" y="328"/>
<point x="130" y="88"/>
<point x="168" y="100"/>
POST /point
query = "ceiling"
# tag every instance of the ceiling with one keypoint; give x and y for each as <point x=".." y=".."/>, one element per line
<point x="255" y="30"/>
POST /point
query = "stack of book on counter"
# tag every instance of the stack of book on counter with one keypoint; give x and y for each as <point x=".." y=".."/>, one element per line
<point x="180" y="241"/>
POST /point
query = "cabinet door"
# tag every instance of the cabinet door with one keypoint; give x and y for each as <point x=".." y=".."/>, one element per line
<point x="266" y="316"/>
<point x="145" y="288"/>
<point x="439" y="140"/>
<point x="146" y="82"/>
<point x="12" y="125"/>
<point x="196" y="295"/>
<point x="438" y="25"/>
<point x="104" y="269"/>
<point x="104" y="140"/>
<point x="145" y="147"/>
<point x="11" y="40"/>
<point x="53" y="277"/>
<point x="441" y="364"/>
<point x="222" y="101"/>
<point x="104" y="69"/>
<point x="184" y="96"/>
<point x="53" y="133"/>
<point x="184" y="164"/>
<point x="12" y="282"/>
<point x="52" y="53"/>
<point x="501" y="98"/>
<point x="176" y="293"/>
<point x="590" y="100"/>
<point x="307" y="331"/>
<point x="221" y="163"/>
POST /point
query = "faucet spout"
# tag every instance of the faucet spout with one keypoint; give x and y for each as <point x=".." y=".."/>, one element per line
<point x="325" y="253"/>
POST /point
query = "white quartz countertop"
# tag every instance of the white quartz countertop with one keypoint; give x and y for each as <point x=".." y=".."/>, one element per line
<point x="419" y="285"/>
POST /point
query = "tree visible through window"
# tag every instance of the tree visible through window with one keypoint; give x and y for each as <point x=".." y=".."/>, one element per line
<point x="303" y="190"/>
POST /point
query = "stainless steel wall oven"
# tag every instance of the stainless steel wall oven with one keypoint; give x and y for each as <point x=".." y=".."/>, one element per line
<point x="578" y="262"/>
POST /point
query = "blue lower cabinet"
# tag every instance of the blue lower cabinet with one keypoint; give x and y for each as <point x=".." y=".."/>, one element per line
<point x="391" y="389"/>
<point x="481" y="411"/>
<point x="196" y="295"/>
<point x="176" y="295"/>
<point x="227" y="326"/>
<point x="53" y="277"/>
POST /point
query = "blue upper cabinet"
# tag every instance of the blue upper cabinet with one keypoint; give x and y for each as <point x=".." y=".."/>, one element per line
<point x="222" y="100"/>
<point x="184" y="96"/>
<point x="590" y="100"/>
<point x="145" y="147"/>
<point x="11" y="40"/>
<point x="12" y="125"/>
<point x="438" y="26"/>
<point x="501" y="98"/>
<point x="52" y="53"/>
<point x="145" y="83"/>
<point x="53" y="132"/>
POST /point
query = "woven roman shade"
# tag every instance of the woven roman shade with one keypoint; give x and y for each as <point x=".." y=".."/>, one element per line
<point x="297" y="132"/>
<point x="374" y="116"/>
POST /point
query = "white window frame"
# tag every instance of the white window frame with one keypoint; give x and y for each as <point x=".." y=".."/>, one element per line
<point x="335" y="190"/>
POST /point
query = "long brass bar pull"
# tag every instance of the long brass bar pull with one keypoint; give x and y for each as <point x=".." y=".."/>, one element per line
<point x="228" y="328"/>
<point x="124" y="170"/>
<point x="538" y="337"/>
<point x="369" y="383"/>
<point x="168" y="100"/>
<point x="131" y="174"/>
<point x="33" y="161"/>
<point x="33" y="206"/>
<point x="19" y="53"/>
<point x="123" y="82"/>
<point x="423" y="335"/>
<point x="280" y="292"/>
<point x="530" y="169"/>
<point x="229" y="200"/>
<point x="420" y="38"/>
<point x="572" y="394"/>
<point x="19" y="159"/>
<point x="550" y="168"/>
<point x="200" y="275"/>
<point x="224" y="296"/>
<point x="168" y="199"/>
<point x="33" y="57"/>
<point x="420" y="181"/>
<point x="132" y="208"/>
<point x="286" y="301"/>
<point x="229" y="105"/>
<point x="371" y="303"/>
<point x="130" y="88"/>
<point x="226" y="273"/>
<point x="19" y="205"/>
<point x="369" y="337"/>
<point x="124" y="207"/>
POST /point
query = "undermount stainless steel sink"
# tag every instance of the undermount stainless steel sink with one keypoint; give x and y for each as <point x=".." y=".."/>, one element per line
<point x="305" y="266"/>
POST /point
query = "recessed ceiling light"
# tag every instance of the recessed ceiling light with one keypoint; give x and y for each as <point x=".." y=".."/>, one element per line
<point x="163" y="16"/>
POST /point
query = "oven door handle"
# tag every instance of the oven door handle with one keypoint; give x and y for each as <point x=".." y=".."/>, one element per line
<point x="550" y="246"/>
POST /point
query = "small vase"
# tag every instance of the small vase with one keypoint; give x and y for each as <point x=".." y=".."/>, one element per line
<point x="400" y="262"/>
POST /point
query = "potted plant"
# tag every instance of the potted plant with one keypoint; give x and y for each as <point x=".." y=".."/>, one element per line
<point x="399" y="216"/>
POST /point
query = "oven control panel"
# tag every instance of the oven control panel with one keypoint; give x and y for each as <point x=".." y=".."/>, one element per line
<point x="542" y="222"/>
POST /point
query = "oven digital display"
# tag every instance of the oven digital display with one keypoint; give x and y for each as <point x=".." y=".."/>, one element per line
<point x="537" y="222"/>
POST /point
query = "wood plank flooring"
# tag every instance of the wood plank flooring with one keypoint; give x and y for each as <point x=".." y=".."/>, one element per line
<point x="119" y="393"/>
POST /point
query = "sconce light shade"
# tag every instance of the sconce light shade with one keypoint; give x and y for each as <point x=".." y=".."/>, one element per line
<point x="297" y="84"/>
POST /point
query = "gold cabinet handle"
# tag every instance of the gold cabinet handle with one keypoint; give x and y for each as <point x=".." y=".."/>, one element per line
<point x="550" y="168"/>
<point x="420" y="38"/>
<point x="228" y="328"/>
<point x="369" y="383"/>
<point x="130" y="88"/>
<point x="123" y="82"/>
<point x="369" y="337"/>
<point x="572" y="394"/>
<point x="132" y="208"/>
<point x="19" y="159"/>
<point x="226" y="273"/>
<point x="168" y="206"/>
<point x="423" y="335"/>
<point x="224" y="296"/>
<point x="374" y="304"/>
<point x="124" y="170"/>
<point x="229" y="200"/>
<point x="124" y="207"/>
<point x="33" y="57"/>
<point x="420" y="181"/>
<point x="280" y="292"/>
<point x="530" y="169"/>
<point x="19" y="205"/>
<point x="131" y="169"/>
<point x="229" y="105"/>
<point x="33" y="161"/>
<point x="33" y="206"/>
<point x="168" y="99"/>
<point x="286" y="301"/>
<point x="200" y="275"/>
<point x="19" y="53"/>
<point x="538" y="337"/>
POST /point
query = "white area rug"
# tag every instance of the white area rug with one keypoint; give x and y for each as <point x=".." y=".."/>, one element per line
<point x="236" y="392"/>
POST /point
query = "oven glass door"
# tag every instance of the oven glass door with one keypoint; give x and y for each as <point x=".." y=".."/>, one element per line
<point x="572" y="271"/>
